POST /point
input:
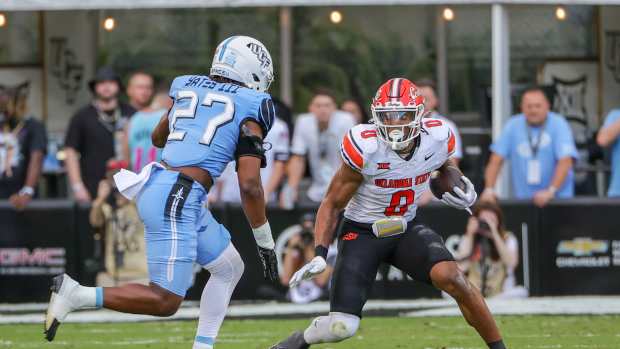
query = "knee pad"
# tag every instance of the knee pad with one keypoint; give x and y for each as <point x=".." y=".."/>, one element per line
<point x="335" y="327"/>
<point x="228" y="265"/>
<point x="342" y="325"/>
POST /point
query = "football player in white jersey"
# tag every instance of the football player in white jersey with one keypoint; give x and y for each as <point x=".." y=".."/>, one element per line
<point x="386" y="168"/>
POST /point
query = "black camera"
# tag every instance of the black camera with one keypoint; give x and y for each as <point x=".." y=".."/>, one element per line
<point x="484" y="229"/>
<point x="307" y="237"/>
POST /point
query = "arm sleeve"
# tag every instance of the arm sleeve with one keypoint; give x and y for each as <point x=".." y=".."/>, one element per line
<point x="299" y="146"/>
<point x="503" y="144"/>
<point x="564" y="144"/>
<point x="74" y="135"/>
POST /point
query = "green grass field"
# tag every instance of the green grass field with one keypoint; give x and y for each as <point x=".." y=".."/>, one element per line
<point x="375" y="332"/>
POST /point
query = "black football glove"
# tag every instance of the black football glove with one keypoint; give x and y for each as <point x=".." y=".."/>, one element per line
<point x="270" y="263"/>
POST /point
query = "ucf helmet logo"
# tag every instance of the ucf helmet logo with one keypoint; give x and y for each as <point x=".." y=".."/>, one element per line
<point x="261" y="54"/>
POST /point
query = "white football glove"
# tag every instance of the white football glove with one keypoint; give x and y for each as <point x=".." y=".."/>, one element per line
<point x="463" y="199"/>
<point x="316" y="266"/>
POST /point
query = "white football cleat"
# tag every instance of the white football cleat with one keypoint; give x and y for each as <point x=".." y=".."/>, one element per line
<point x="61" y="303"/>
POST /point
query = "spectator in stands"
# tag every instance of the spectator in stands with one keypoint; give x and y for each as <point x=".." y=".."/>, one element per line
<point x="226" y="188"/>
<point x="123" y="234"/>
<point x="317" y="137"/>
<point x="140" y="90"/>
<point x="541" y="150"/>
<point x="427" y="89"/>
<point x="489" y="254"/>
<point x="95" y="135"/>
<point x="23" y="144"/>
<point x="139" y="150"/>
<point x="351" y="106"/>
<point x="299" y="250"/>
<point x="608" y="136"/>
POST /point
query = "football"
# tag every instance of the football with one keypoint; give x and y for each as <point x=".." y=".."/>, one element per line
<point x="445" y="181"/>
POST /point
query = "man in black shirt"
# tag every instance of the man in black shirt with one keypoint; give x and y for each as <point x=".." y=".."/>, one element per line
<point x="23" y="143"/>
<point x="94" y="135"/>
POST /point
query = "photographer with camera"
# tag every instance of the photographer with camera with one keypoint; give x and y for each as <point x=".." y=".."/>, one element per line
<point x="489" y="254"/>
<point x="299" y="251"/>
<point x="117" y="223"/>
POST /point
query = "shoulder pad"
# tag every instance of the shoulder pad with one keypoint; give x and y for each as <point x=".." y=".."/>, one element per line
<point x="358" y="143"/>
<point x="441" y="132"/>
<point x="366" y="137"/>
<point x="436" y="128"/>
<point x="266" y="113"/>
<point x="177" y="83"/>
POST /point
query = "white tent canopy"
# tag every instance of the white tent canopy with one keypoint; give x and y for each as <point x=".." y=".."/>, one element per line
<point x="36" y="5"/>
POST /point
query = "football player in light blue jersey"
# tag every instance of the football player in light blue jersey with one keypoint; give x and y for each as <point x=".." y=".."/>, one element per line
<point x="215" y="119"/>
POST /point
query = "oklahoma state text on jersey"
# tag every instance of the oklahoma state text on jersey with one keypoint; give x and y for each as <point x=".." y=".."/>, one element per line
<point x="392" y="185"/>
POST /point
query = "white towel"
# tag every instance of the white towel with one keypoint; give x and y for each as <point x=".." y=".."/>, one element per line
<point x="129" y="183"/>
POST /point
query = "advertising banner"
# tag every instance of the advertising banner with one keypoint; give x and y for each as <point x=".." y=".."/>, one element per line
<point x="579" y="250"/>
<point x="35" y="245"/>
<point x="568" y="248"/>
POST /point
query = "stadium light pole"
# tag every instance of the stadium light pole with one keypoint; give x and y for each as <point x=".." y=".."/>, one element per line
<point x="501" y="82"/>
<point x="286" y="55"/>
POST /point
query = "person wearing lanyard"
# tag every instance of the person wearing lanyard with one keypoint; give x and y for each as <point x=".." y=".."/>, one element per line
<point x="540" y="147"/>
<point x="95" y="135"/>
<point x="609" y="136"/>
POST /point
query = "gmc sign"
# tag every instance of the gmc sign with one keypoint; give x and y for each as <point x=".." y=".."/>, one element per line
<point x="24" y="261"/>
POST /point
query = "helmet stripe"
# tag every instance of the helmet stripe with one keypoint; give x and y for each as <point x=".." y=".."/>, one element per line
<point x="395" y="90"/>
<point x="224" y="45"/>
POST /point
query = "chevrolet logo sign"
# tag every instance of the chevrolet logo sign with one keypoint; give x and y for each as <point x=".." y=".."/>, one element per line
<point x="582" y="246"/>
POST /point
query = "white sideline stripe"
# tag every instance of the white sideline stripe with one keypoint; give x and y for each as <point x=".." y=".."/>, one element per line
<point x="443" y="307"/>
<point x="537" y="306"/>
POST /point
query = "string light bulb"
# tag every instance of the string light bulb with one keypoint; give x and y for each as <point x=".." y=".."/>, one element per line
<point x="2" y="19"/>
<point x="335" y="17"/>
<point x="448" y="14"/>
<point x="560" y="13"/>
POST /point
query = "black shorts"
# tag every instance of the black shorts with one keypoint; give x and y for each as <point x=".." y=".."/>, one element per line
<point x="360" y="253"/>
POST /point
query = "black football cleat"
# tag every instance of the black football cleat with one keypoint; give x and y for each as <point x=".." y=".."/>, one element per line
<point x="294" y="341"/>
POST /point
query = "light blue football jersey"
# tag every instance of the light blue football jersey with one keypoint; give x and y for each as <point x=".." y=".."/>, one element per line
<point x="205" y="121"/>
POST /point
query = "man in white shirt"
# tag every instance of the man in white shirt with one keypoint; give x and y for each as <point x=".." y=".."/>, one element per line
<point x="317" y="136"/>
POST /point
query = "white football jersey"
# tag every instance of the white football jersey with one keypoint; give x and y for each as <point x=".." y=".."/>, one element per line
<point x="392" y="185"/>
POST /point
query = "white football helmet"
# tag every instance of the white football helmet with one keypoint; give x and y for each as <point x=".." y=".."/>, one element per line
<point x="245" y="60"/>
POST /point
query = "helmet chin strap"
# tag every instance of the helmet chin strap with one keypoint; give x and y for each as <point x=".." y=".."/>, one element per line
<point x="399" y="145"/>
<point x="406" y="150"/>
